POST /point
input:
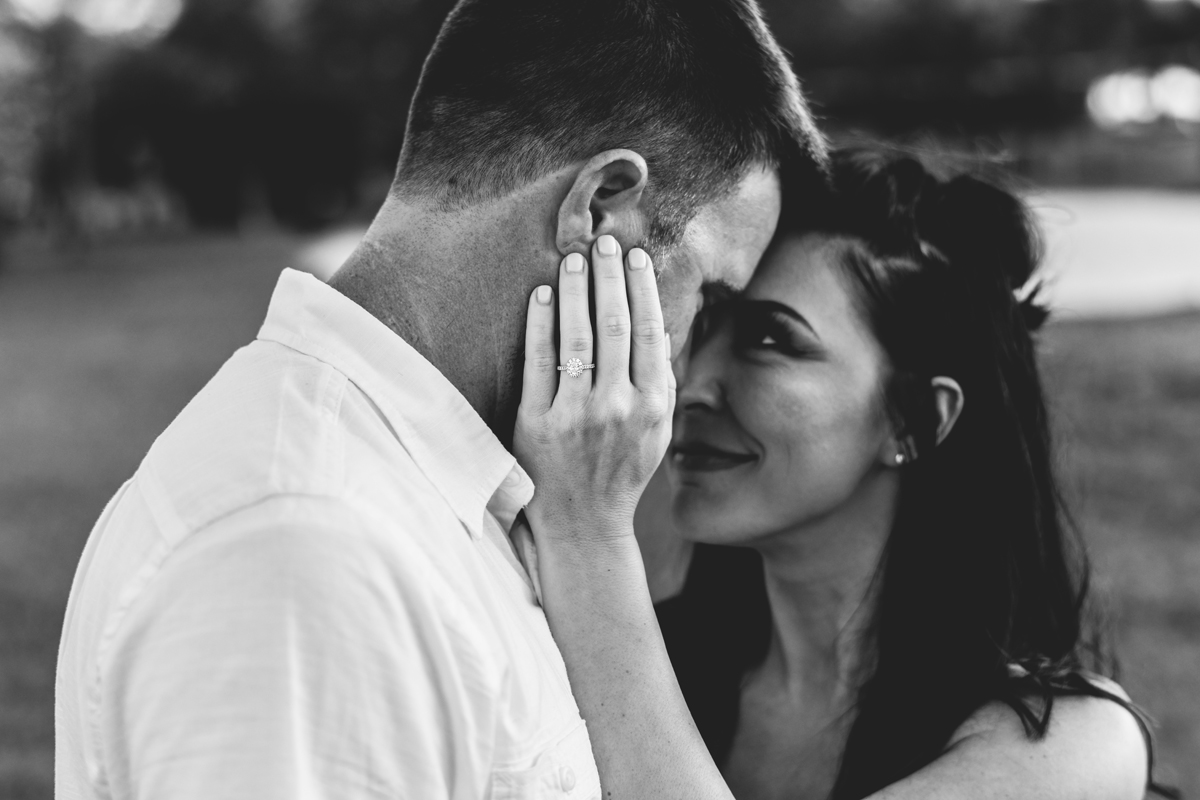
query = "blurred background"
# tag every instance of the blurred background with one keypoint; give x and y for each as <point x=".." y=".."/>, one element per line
<point x="162" y="160"/>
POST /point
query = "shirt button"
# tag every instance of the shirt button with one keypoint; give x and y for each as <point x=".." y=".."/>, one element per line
<point x="566" y="779"/>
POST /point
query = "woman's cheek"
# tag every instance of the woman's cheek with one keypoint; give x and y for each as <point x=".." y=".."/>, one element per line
<point x="818" y="449"/>
<point x="790" y="429"/>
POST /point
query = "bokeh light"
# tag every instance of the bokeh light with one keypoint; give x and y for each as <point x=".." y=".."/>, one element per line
<point x="1121" y="99"/>
<point x="1176" y="93"/>
<point x="143" y="19"/>
<point x="37" y="12"/>
<point x="1137" y="97"/>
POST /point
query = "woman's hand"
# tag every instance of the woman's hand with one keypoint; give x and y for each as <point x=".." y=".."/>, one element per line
<point x="592" y="440"/>
<point x="591" y="443"/>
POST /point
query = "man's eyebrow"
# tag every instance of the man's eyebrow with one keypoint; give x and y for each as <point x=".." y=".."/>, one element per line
<point x="774" y="307"/>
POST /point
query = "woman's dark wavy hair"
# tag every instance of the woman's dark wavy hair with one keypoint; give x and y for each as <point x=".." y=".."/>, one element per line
<point x="981" y="591"/>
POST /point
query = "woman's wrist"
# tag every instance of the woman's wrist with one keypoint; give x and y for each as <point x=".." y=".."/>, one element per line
<point x="587" y="538"/>
<point x="569" y="523"/>
<point x="581" y="577"/>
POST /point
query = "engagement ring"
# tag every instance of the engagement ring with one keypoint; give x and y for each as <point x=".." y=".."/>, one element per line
<point x="575" y="367"/>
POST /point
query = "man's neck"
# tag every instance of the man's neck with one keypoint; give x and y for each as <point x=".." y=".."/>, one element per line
<point x="424" y="282"/>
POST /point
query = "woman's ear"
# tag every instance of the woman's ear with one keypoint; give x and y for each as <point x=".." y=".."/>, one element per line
<point x="948" y="397"/>
<point x="606" y="197"/>
<point x="901" y="449"/>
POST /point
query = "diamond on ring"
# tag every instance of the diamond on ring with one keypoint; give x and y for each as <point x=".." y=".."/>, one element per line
<point x="575" y="367"/>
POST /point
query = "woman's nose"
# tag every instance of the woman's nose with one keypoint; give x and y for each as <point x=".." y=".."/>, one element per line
<point x="700" y="377"/>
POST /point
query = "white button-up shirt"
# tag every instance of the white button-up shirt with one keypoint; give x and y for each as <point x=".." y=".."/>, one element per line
<point x="307" y="590"/>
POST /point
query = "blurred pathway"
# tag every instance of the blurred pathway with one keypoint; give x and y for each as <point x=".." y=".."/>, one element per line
<point x="1110" y="253"/>
<point x="1121" y="253"/>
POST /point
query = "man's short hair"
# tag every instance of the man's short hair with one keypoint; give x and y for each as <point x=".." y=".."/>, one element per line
<point x="515" y="89"/>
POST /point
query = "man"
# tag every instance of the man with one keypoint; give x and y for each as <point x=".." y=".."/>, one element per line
<point x="307" y="589"/>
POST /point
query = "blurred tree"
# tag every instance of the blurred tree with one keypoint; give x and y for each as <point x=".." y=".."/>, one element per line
<point x="304" y="97"/>
<point x="22" y="108"/>
<point x="372" y="51"/>
<point x="174" y="113"/>
<point x="176" y="110"/>
<point x="974" y="65"/>
<point x="230" y="100"/>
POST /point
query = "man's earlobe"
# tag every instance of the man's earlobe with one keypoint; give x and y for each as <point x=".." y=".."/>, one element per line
<point x="606" y="197"/>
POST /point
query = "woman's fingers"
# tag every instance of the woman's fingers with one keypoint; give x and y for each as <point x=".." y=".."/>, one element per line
<point x="541" y="356"/>
<point x="574" y="329"/>
<point x="628" y="343"/>
<point x="596" y="443"/>
<point x="649" y="368"/>
<point x="612" y="314"/>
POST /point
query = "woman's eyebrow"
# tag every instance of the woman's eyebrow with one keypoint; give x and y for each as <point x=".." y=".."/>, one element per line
<point x="775" y="307"/>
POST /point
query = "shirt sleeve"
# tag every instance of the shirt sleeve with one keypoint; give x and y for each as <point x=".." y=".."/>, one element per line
<point x="282" y="654"/>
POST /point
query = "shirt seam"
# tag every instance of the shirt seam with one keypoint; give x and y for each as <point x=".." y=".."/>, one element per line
<point x="331" y="406"/>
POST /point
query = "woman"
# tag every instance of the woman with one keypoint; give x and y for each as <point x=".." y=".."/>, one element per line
<point x="868" y="420"/>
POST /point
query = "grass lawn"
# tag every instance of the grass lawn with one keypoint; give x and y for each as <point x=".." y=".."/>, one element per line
<point x="100" y="350"/>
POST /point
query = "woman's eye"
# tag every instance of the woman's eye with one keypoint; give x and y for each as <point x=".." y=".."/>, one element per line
<point x="760" y="331"/>
<point x="756" y="337"/>
<point x="766" y="336"/>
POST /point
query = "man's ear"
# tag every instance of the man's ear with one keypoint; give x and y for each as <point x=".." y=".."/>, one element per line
<point x="606" y="197"/>
<point x="948" y="397"/>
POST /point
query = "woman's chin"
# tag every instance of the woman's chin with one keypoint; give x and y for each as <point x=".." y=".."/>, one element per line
<point x="699" y="515"/>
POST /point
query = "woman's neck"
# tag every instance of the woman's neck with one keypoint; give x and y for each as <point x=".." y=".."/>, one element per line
<point x="818" y="580"/>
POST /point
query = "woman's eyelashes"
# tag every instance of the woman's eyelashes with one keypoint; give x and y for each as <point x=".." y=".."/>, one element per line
<point x="765" y="327"/>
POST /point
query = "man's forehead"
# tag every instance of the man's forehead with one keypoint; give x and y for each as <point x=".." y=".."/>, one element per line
<point x="758" y="192"/>
<point x="729" y="236"/>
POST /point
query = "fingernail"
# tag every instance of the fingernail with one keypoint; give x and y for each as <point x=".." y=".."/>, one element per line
<point x="607" y="245"/>
<point x="574" y="263"/>
<point x="638" y="259"/>
<point x="544" y="293"/>
<point x="669" y="350"/>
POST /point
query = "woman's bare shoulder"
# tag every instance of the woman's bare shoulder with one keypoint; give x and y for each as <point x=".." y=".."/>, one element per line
<point x="1093" y="749"/>
<point x="998" y="718"/>
<point x="1090" y="739"/>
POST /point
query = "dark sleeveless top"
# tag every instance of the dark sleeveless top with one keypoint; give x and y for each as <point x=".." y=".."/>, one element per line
<point x="719" y="626"/>
<point x="715" y="630"/>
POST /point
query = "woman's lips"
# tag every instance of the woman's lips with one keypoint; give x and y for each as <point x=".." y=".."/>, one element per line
<point x="697" y="457"/>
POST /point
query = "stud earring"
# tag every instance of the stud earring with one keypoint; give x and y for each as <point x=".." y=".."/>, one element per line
<point x="900" y="459"/>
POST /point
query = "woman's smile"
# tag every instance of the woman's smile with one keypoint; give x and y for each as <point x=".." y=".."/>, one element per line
<point x="695" y="455"/>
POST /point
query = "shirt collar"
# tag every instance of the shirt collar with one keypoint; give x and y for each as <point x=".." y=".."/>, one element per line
<point x="445" y="436"/>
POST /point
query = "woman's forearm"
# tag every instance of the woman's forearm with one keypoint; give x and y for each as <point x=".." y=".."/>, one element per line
<point x="645" y="743"/>
<point x="591" y="441"/>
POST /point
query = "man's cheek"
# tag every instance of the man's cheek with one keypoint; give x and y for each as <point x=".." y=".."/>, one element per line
<point x="677" y="320"/>
<point x="681" y="348"/>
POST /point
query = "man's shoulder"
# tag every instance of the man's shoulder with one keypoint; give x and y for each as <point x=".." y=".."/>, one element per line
<point x="248" y="434"/>
<point x="280" y="460"/>
<point x="313" y="538"/>
<point x="271" y="423"/>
